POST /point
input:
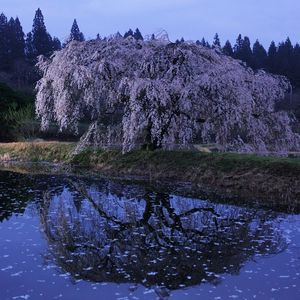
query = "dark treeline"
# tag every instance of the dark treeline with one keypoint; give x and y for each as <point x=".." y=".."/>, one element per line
<point x="282" y="59"/>
<point x="18" y="52"/>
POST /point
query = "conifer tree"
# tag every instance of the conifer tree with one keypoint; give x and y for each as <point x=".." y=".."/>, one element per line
<point x="204" y="43"/>
<point x="216" y="42"/>
<point x="29" y="50"/>
<point x="242" y="49"/>
<point x="247" y="51"/>
<point x="238" y="46"/>
<point x="296" y="70"/>
<point x="41" y="39"/>
<point x="76" y="34"/>
<point x="3" y="41"/>
<point x="56" y="44"/>
<point x="260" y="56"/>
<point x="16" y="42"/>
<point x="227" y="49"/>
<point x="272" y="54"/>
<point x="128" y="33"/>
<point x="137" y="35"/>
<point x="284" y="58"/>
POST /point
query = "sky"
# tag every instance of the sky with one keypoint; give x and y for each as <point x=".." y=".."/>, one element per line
<point x="266" y="20"/>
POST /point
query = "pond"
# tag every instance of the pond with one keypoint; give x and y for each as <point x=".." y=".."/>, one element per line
<point x="67" y="237"/>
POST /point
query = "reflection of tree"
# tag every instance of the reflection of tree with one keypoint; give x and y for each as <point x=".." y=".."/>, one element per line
<point x="156" y="240"/>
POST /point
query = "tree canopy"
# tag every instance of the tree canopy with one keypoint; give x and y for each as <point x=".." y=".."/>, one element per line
<point x="163" y="94"/>
<point x="76" y="34"/>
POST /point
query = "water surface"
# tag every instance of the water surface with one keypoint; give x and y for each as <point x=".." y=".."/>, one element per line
<point x="74" y="238"/>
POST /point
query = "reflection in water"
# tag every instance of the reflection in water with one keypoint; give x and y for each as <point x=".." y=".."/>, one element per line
<point x="110" y="233"/>
<point x="15" y="191"/>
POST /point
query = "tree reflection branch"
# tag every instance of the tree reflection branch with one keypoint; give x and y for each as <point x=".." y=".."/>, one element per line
<point x="154" y="240"/>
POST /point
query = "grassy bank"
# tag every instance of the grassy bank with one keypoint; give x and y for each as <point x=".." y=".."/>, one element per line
<point x="53" y="152"/>
<point x="267" y="181"/>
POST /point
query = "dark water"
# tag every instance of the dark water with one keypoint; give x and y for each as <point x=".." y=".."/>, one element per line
<point x="73" y="238"/>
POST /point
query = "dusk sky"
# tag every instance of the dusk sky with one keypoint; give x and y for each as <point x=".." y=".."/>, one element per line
<point x="263" y="19"/>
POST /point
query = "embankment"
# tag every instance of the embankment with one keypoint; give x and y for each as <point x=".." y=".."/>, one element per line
<point x="265" y="181"/>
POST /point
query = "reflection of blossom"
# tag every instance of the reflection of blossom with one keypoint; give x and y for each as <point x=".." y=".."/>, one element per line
<point x="158" y="240"/>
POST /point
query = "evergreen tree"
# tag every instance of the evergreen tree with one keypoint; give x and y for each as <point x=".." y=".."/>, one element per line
<point x="198" y="43"/>
<point x="242" y="49"/>
<point x="98" y="37"/>
<point x="284" y="58"/>
<point x="137" y="35"/>
<point x="182" y="40"/>
<point x="118" y="35"/>
<point x="296" y="68"/>
<point x="272" y="54"/>
<point x="247" y="51"/>
<point x="216" y="42"/>
<point x="260" y="56"/>
<point x="41" y="39"/>
<point x="238" y="46"/>
<point x="29" y="50"/>
<point x="16" y="41"/>
<point x="128" y="33"/>
<point x="19" y="39"/>
<point x="56" y="44"/>
<point x="227" y="49"/>
<point x="203" y="42"/>
<point x="76" y="34"/>
<point x="3" y="42"/>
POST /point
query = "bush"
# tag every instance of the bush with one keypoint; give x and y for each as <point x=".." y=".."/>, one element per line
<point x="16" y="114"/>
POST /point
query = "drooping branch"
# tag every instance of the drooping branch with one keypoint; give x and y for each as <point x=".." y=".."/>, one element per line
<point x="163" y="92"/>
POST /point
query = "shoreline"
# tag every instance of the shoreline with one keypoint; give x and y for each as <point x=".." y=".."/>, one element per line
<point x="243" y="179"/>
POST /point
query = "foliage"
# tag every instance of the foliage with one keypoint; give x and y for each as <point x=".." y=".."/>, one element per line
<point x="163" y="94"/>
<point x="227" y="49"/>
<point x="216" y="42"/>
<point x="283" y="59"/>
<point x="41" y="39"/>
<point x="76" y="34"/>
<point x="260" y="56"/>
<point x="137" y="34"/>
<point x="16" y="110"/>
<point x="37" y="151"/>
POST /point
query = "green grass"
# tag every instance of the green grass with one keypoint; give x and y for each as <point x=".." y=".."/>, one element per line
<point x="180" y="160"/>
<point x="271" y="182"/>
<point x="172" y="161"/>
<point x="36" y="151"/>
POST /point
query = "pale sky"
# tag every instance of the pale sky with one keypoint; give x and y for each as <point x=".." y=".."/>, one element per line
<point x="263" y="19"/>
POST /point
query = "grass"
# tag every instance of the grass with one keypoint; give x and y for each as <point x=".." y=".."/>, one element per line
<point x="184" y="160"/>
<point x="171" y="160"/>
<point x="36" y="151"/>
<point x="176" y="161"/>
<point x="268" y="181"/>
